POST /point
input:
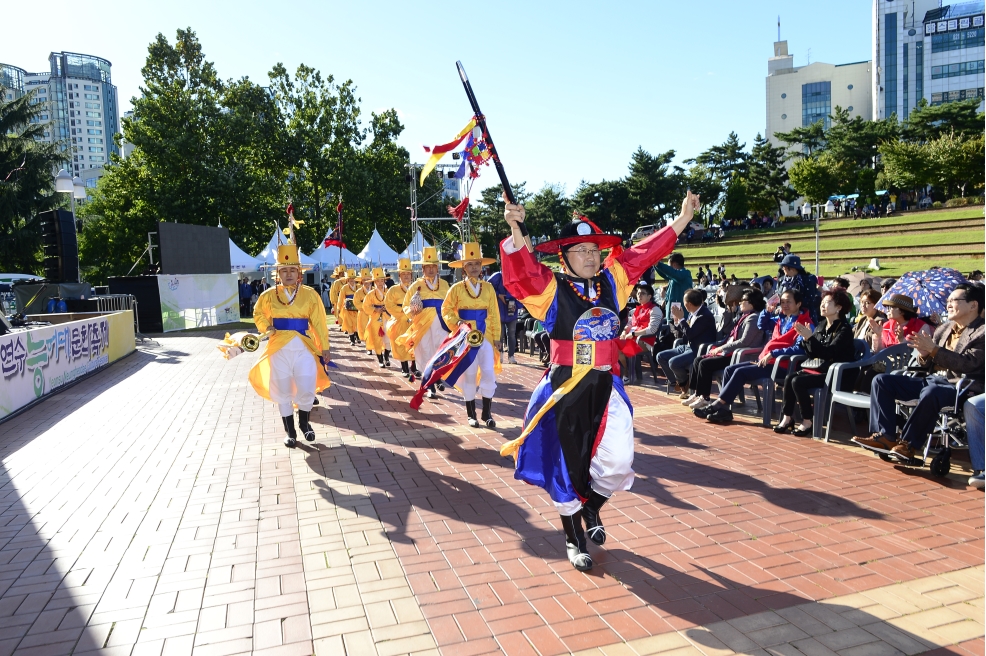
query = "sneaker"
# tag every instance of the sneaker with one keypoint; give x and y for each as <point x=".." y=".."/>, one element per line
<point x="511" y="360"/>
<point x="722" y="416"/>
<point x="678" y="389"/>
<point x="877" y="442"/>
<point x="700" y="402"/>
<point x="688" y="400"/>
<point x="686" y="394"/>
<point x="703" y="413"/>
<point x="977" y="481"/>
<point x="903" y="452"/>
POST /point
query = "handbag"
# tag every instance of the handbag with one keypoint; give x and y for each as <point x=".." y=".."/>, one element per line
<point x="813" y="363"/>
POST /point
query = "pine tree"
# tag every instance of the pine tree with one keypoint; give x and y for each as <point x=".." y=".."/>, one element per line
<point x="767" y="182"/>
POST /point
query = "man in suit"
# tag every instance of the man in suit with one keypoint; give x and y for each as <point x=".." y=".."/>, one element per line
<point x="956" y="348"/>
<point x="698" y="328"/>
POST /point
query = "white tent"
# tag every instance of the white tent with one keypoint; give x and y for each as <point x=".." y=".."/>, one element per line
<point x="327" y="257"/>
<point x="378" y="253"/>
<point x="269" y="254"/>
<point x="240" y="261"/>
<point x="413" y="250"/>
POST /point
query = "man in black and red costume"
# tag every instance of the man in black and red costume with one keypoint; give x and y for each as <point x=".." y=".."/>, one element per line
<point x="577" y="441"/>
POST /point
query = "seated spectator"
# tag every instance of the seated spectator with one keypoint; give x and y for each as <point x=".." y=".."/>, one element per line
<point x="830" y="342"/>
<point x="645" y="322"/>
<point x="784" y="340"/>
<point x="698" y="328"/>
<point x="975" y="275"/>
<point x="795" y="277"/>
<point x="869" y="323"/>
<point x="887" y="284"/>
<point x="744" y="334"/>
<point x="956" y="348"/>
<point x="902" y="322"/>
<point x="729" y="304"/>
<point x="973" y="411"/>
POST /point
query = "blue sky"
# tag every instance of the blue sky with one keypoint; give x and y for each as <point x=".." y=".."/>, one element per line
<point x="570" y="89"/>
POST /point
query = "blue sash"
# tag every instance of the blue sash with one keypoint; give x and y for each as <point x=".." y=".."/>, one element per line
<point x="297" y="325"/>
<point x="437" y="304"/>
<point x="479" y="316"/>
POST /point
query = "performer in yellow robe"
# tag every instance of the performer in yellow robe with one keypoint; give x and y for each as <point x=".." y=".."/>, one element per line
<point x="423" y="304"/>
<point x="345" y="305"/>
<point x="375" y="308"/>
<point x="291" y="369"/>
<point x="366" y="284"/>
<point x="339" y="279"/>
<point x="399" y="322"/>
<point x="473" y="301"/>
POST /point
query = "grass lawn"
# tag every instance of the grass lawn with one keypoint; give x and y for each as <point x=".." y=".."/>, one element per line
<point x="803" y="245"/>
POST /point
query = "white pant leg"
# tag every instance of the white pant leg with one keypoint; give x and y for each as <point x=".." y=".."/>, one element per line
<point x="611" y="468"/>
<point x="483" y="366"/>
<point x="428" y="345"/>
<point x="293" y="377"/>
<point x="568" y="507"/>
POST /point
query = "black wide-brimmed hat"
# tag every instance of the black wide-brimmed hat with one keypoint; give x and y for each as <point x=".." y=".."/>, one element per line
<point x="579" y="231"/>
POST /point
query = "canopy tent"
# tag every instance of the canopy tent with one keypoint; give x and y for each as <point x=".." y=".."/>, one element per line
<point x="413" y="250"/>
<point x="378" y="253"/>
<point x="327" y="258"/>
<point x="240" y="260"/>
<point x="268" y="256"/>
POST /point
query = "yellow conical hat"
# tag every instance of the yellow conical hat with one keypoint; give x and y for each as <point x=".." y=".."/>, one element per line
<point x="351" y="274"/>
<point x="429" y="255"/>
<point x="472" y="252"/>
<point x="404" y="264"/>
<point x="339" y="271"/>
<point x="378" y="274"/>
<point x="365" y="276"/>
<point x="287" y="255"/>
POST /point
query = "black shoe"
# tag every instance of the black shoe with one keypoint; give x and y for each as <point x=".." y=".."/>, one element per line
<point x="578" y="554"/>
<point x="722" y="416"/>
<point x="404" y="368"/>
<point x="315" y="402"/>
<point x="291" y="439"/>
<point x="380" y="360"/>
<point x="703" y="413"/>
<point x="441" y="386"/>
<point x="352" y="339"/>
<point x="488" y="413"/>
<point x="782" y="429"/>
<point x="414" y="369"/>
<point x="802" y="432"/>
<point x="306" y="428"/>
<point x="386" y="358"/>
<point x="590" y="513"/>
<point x="471" y="413"/>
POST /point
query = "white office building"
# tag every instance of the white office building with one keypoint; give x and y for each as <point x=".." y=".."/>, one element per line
<point x="926" y="49"/>
<point x="79" y="106"/>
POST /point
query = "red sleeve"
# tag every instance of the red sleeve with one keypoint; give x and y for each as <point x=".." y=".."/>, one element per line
<point x="637" y="259"/>
<point x="529" y="281"/>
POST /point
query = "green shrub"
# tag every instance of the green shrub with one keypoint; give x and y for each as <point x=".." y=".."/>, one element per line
<point x="961" y="202"/>
<point x="937" y="205"/>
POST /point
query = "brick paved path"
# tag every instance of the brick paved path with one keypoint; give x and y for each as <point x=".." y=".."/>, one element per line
<point x="152" y="509"/>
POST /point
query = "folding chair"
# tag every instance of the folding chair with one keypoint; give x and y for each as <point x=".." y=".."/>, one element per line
<point x="893" y="356"/>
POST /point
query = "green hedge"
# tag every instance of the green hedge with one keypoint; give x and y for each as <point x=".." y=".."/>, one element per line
<point x="961" y="202"/>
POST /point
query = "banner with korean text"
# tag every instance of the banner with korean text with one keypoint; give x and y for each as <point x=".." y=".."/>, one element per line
<point x="36" y="362"/>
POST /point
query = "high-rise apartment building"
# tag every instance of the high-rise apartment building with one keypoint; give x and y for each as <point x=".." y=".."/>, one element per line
<point x="926" y="49"/>
<point x="79" y="106"/>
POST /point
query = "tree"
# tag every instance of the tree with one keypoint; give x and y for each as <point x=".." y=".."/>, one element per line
<point x="652" y="186"/>
<point x="26" y="166"/>
<point x="737" y="204"/>
<point x="804" y="141"/>
<point x="905" y="164"/>
<point x="488" y="226"/>
<point x="702" y="182"/>
<point x="719" y="164"/>
<point x="812" y="177"/>
<point x="547" y="211"/>
<point x="927" y="122"/>
<point x="854" y="140"/>
<point x="956" y="164"/>
<point x="767" y="183"/>
<point x="607" y="204"/>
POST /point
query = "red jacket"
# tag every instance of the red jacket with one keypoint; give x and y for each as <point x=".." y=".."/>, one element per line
<point x="787" y="339"/>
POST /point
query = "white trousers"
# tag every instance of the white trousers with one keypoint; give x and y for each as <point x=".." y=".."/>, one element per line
<point x="611" y="468"/>
<point x="428" y="345"/>
<point x="483" y="365"/>
<point x="292" y="377"/>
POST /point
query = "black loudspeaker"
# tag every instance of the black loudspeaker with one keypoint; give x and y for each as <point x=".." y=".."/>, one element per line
<point x="144" y="289"/>
<point x="61" y="247"/>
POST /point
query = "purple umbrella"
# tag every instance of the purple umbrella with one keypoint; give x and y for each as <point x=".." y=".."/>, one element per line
<point x="928" y="289"/>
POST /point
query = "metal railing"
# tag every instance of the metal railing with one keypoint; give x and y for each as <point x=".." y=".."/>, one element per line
<point x="118" y="303"/>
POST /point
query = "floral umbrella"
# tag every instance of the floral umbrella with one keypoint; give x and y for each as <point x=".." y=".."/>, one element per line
<point x="928" y="289"/>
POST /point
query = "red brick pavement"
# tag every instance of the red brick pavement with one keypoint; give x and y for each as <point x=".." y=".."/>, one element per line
<point x="151" y="509"/>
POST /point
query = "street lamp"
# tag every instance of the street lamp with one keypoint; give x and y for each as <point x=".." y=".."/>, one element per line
<point x="66" y="184"/>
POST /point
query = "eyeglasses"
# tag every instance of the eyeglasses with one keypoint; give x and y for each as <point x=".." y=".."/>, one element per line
<point x="586" y="252"/>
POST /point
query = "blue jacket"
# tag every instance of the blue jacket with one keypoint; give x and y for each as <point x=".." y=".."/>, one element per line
<point x="767" y="322"/>
<point x="497" y="281"/>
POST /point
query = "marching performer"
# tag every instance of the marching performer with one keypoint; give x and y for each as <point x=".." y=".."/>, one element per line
<point x="292" y="367"/>
<point x="375" y="308"/>
<point x="346" y="306"/>
<point x="366" y="284"/>
<point x="577" y="441"/>
<point x="338" y="280"/>
<point x="399" y="322"/>
<point x="423" y="304"/>
<point x="473" y="301"/>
